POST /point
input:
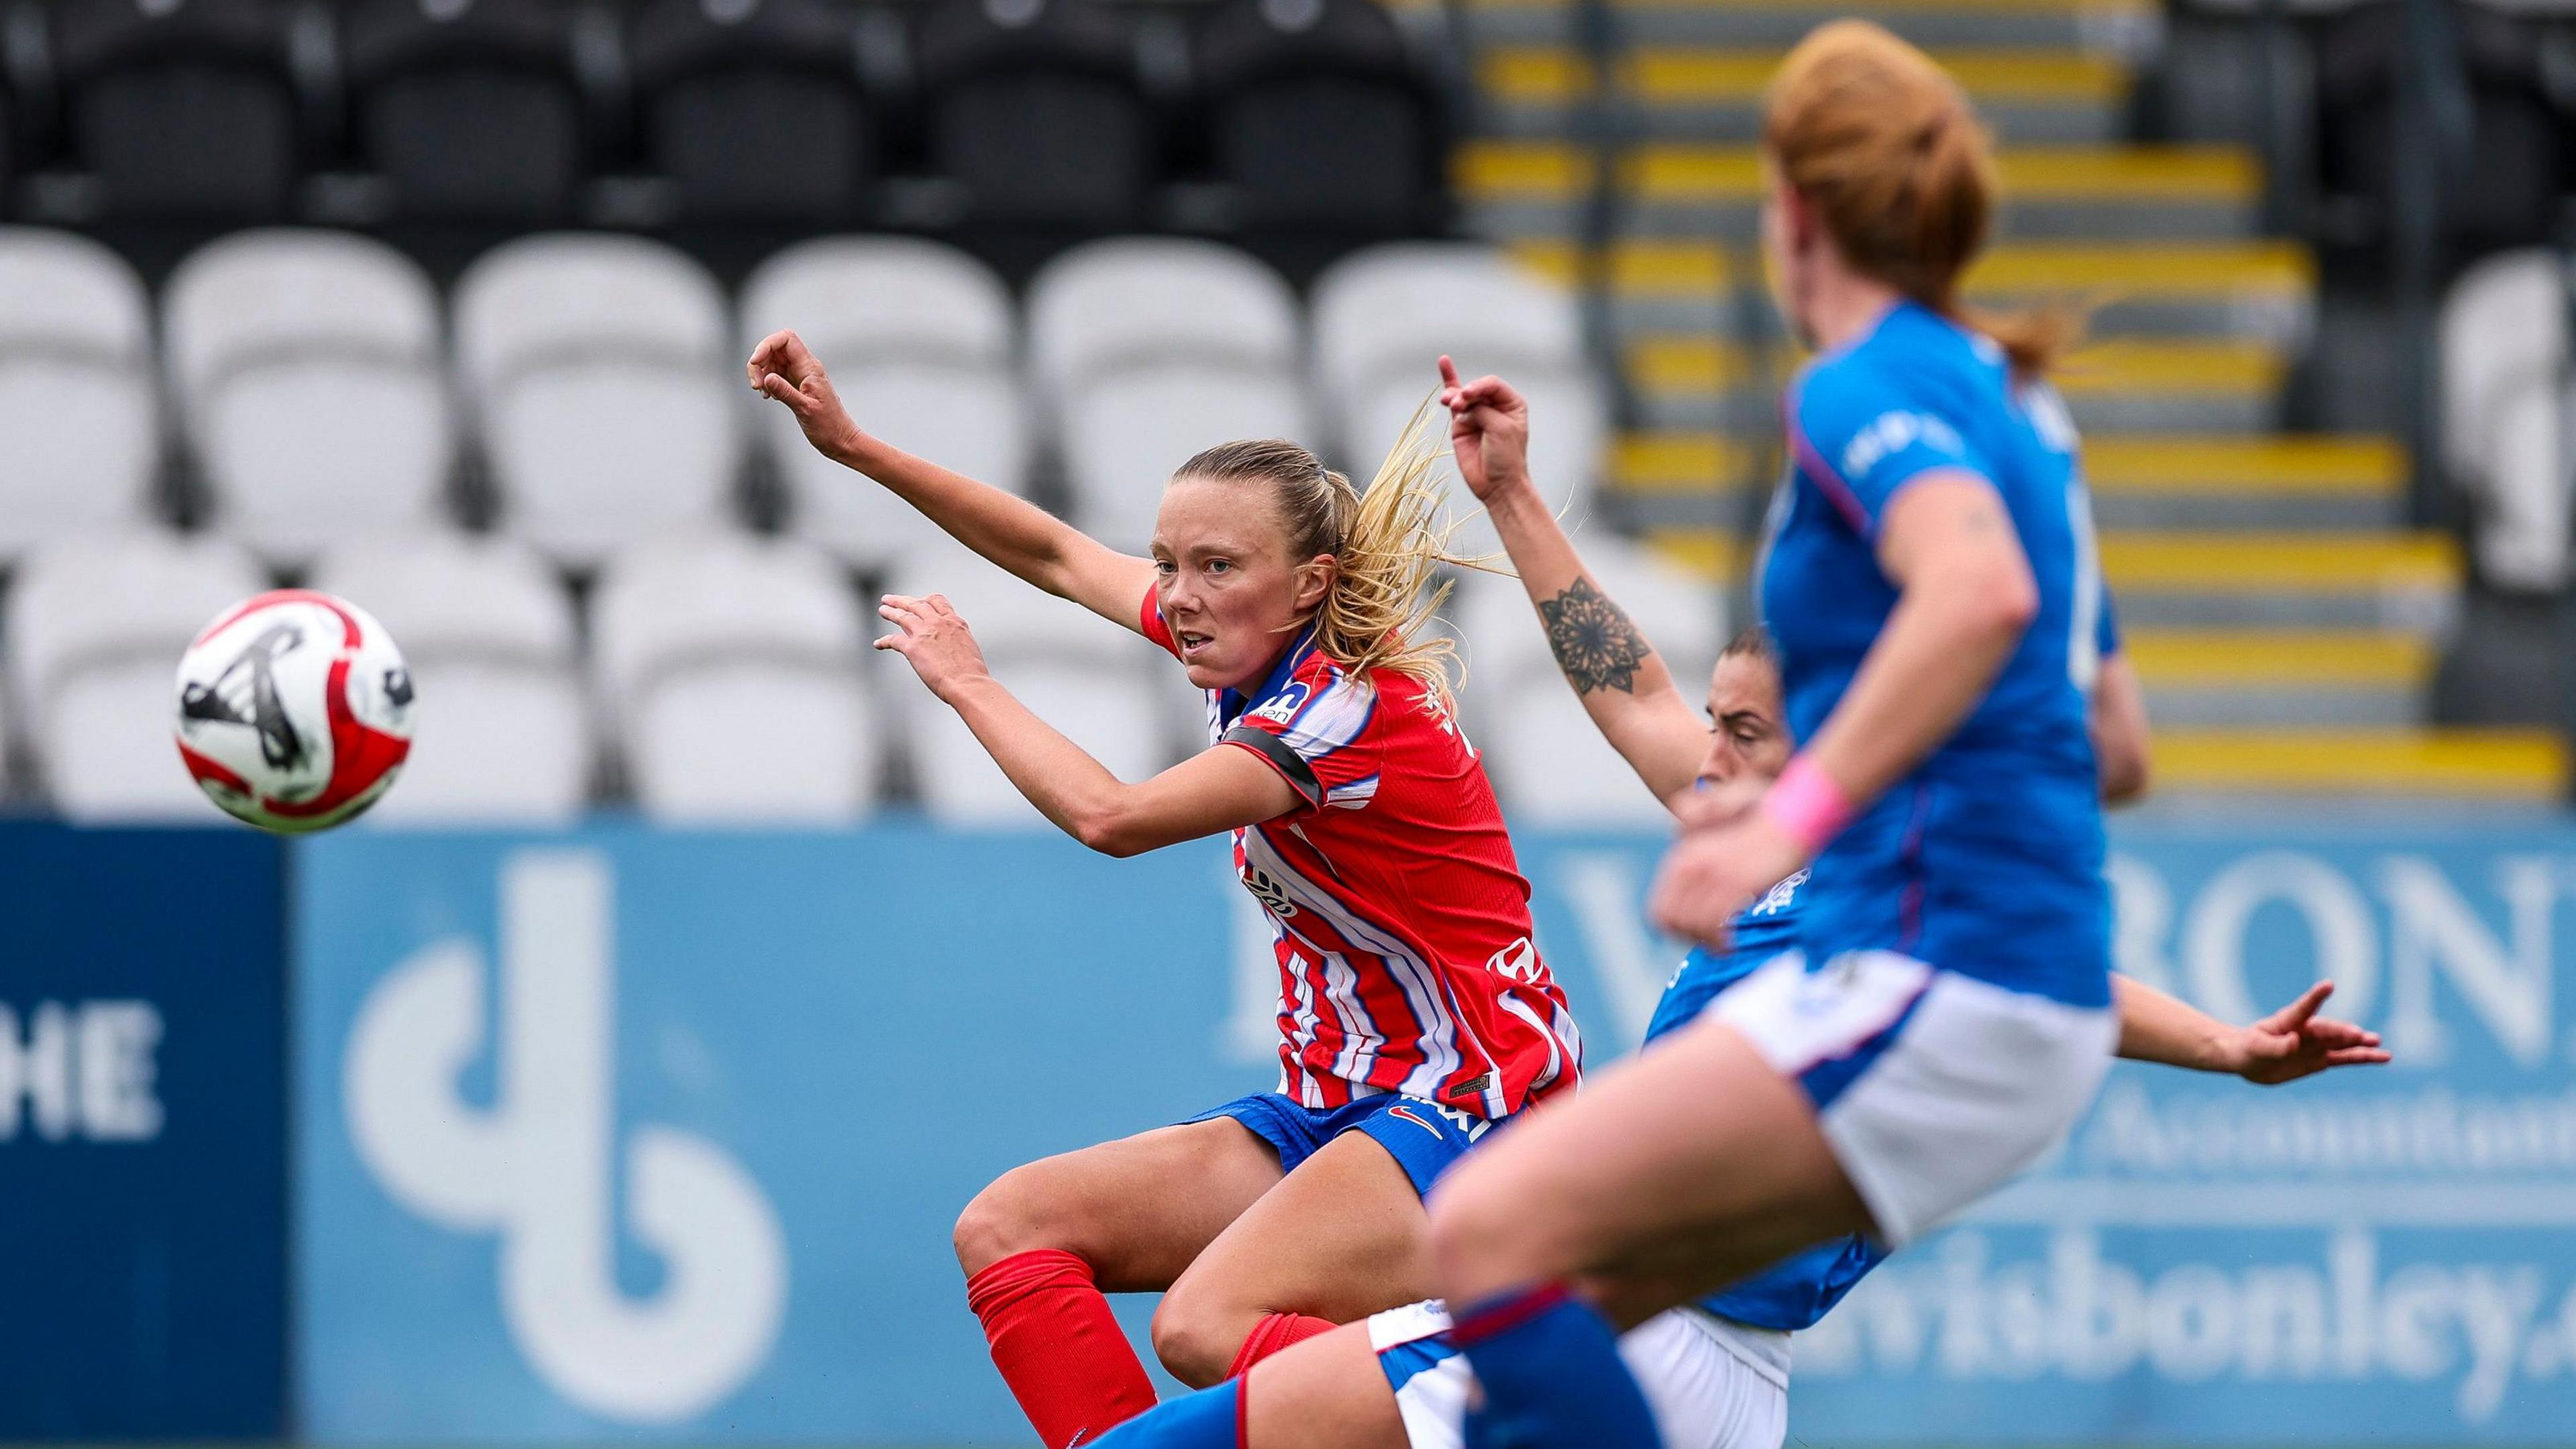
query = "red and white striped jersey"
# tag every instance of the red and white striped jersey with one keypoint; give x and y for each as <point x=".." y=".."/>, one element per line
<point x="1406" y="957"/>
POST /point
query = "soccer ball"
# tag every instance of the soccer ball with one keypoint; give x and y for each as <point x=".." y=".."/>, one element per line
<point x="295" y="710"/>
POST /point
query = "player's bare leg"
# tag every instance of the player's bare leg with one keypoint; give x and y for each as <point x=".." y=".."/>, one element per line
<point x="1688" y="1167"/>
<point x="1342" y="1237"/>
<point x="1327" y="1391"/>
<point x="1138" y="1209"/>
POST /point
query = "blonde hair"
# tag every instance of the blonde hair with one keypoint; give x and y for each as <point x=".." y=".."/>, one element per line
<point x="1388" y="542"/>
<point x="1885" y="146"/>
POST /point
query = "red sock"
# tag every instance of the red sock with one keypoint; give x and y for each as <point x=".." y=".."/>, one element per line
<point x="1273" y="1333"/>
<point x="1057" y="1346"/>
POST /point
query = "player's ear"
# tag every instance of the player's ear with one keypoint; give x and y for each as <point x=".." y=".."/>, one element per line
<point x="1315" y="579"/>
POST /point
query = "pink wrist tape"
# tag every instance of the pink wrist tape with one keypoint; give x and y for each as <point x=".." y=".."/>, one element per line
<point x="1807" y="804"/>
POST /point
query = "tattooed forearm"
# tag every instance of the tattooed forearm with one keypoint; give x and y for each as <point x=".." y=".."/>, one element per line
<point x="1594" y="642"/>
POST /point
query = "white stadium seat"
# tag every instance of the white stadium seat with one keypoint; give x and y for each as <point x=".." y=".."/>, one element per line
<point x="1383" y="317"/>
<point x="919" y="340"/>
<point x="1547" y="760"/>
<point x="1147" y="350"/>
<point x="729" y="667"/>
<point x="77" y="402"/>
<point x="96" y="627"/>
<point x="605" y="390"/>
<point x="1104" y="687"/>
<point x="2505" y="381"/>
<point x="307" y="372"/>
<point x="504" y="733"/>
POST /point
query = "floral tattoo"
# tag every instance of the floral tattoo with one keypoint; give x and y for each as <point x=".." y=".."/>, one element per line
<point x="1594" y="642"/>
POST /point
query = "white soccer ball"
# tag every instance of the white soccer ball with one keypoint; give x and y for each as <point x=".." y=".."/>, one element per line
<point x="295" y="710"/>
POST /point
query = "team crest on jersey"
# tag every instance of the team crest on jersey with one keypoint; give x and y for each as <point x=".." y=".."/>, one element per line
<point x="1779" y="898"/>
<point x="1283" y="707"/>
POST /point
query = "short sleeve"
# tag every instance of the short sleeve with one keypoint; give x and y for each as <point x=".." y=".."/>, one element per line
<point x="1861" y="440"/>
<point x="2106" y="633"/>
<point x="1149" y="622"/>
<point x="1312" y="732"/>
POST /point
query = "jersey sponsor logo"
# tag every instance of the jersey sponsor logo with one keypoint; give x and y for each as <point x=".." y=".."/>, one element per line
<point x="1518" y="962"/>
<point x="1894" y="432"/>
<point x="1283" y="706"/>
<point x="1779" y="898"/>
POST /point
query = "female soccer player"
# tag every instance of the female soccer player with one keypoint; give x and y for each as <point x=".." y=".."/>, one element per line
<point x="1715" y="1373"/>
<point x="1929" y="581"/>
<point x="1415" y="1010"/>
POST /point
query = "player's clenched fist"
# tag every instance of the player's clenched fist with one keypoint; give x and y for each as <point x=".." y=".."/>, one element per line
<point x="784" y="369"/>
<point x="935" y="640"/>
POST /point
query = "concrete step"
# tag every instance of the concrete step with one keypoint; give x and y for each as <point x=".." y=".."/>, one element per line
<point x="1701" y="93"/>
<point x="2527" y="766"/>
<point x="2123" y="385"/>
<point x="2339" y="677"/>
<point x="2127" y="27"/>
<point x="1514" y="190"/>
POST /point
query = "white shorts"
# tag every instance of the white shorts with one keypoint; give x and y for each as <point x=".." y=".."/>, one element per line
<point x="1933" y="1089"/>
<point x="1713" y="1384"/>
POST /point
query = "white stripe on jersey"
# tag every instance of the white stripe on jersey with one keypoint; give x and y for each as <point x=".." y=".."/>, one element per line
<point x="1360" y="1037"/>
<point x="1353" y="796"/>
<point x="1555" y="1053"/>
<point x="1420" y="984"/>
<point x="1303" y="1034"/>
<point x="1332" y="718"/>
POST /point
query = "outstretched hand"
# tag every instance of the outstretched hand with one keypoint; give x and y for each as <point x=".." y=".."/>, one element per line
<point x="784" y="369"/>
<point x="1488" y="430"/>
<point x="934" y="640"/>
<point x="2295" y="1042"/>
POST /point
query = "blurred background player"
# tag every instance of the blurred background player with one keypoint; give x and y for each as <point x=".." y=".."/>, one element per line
<point x="1931" y="584"/>
<point x="1716" y="1373"/>
<point x="1415" y="1010"/>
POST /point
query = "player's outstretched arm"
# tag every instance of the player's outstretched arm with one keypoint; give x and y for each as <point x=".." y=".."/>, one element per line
<point x="1640" y="711"/>
<point x="1011" y="531"/>
<point x="1210" y="793"/>
<point x="2292" y="1042"/>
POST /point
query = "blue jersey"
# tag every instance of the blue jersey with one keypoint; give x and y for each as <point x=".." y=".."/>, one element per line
<point x="1794" y="1293"/>
<point x="1987" y="859"/>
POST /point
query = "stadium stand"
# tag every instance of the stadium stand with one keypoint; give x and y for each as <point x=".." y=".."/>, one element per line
<point x="77" y="401"/>
<point x="309" y="379"/>
<point x="728" y="670"/>
<point x="1107" y="690"/>
<point x="1383" y="316"/>
<point x="1146" y="351"/>
<point x="469" y="110"/>
<point x="181" y="109"/>
<point x="755" y="109"/>
<point x="602" y="383"/>
<point x="489" y="635"/>
<point x="1037" y="112"/>
<point x="2505" y="389"/>
<point x="94" y="628"/>
<point x="920" y="338"/>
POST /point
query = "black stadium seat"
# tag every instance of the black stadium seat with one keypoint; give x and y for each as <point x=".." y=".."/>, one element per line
<point x="183" y="109"/>
<point x="1036" y="109"/>
<point x="754" y="108"/>
<point x="1317" y="112"/>
<point x="471" y="110"/>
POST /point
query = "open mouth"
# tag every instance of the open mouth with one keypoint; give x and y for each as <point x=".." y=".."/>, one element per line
<point x="1192" y="643"/>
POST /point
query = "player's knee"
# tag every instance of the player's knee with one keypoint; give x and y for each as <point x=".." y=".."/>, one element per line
<point x="1196" y="1339"/>
<point x="1011" y="1215"/>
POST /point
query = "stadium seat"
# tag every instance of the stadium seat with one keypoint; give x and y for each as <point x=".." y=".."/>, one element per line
<point x="729" y="668"/>
<point x="2503" y="342"/>
<point x="1035" y="109"/>
<point x="1383" y="317"/>
<point x="1106" y="689"/>
<point x="96" y="627"/>
<point x="1147" y="350"/>
<point x="604" y="389"/>
<point x="1316" y="112"/>
<point x="1548" y="761"/>
<point x="505" y="734"/>
<point x="76" y="393"/>
<point x="308" y="373"/>
<point x="471" y="110"/>
<point x="182" y="109"/>
<point x="754" y="108"/>
<point x="919" y="338"/>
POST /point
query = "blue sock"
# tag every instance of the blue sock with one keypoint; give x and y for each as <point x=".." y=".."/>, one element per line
<point x="1552" y="1376"/>
<point x="1208" y="1419"/>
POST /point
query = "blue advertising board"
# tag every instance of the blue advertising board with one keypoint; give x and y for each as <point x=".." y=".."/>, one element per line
<point x="638" y="1134"/>
<point x="142" y="1134"/>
